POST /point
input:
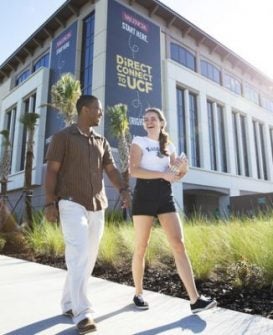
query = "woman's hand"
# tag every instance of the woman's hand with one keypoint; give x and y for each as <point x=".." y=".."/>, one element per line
<point x="170" y="176"/>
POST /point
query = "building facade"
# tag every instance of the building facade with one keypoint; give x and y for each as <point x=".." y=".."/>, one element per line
<point x="219" y="107"/>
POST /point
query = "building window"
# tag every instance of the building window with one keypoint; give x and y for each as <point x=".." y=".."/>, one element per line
<point x="240" y="140"/>
<point x="236" y="141"/>
<point x="222" y="138"/>
<point x="244" y="144"/>
<point x="29" y="107"/>
<point x="195" y="150"/>
<point x="210" y="71"/>
<point x="258" y="131"/>
<point x="42" y="61"/>
<point x="267" y="103"/>
<point x="251" y="93"/>
<point x="216" y="125"/>
<point x="22" y="77"/>
<point x="181" y="120"/>
<point x="188" y="137"/>
<point x="232" y="84"/>
<point x="10" y="120"/>
<point x="212" y="142"/>
<point x="271" y="140"/>
<point x="263" y="150"/>
<point x="183" y="56"/>
<point x="87" y="54"/>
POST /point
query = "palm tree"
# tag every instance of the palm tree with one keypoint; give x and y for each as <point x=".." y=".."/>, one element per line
<point x="64" y="95"/>
<point x="5" y="164"/>
<point x="29" y="121"/>
<point x="119" y="127"/>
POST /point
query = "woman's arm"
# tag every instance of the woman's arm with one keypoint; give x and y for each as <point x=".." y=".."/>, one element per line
<point x="138" y="172"/>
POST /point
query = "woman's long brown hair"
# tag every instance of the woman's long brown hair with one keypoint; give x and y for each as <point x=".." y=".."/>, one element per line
<point x="163" y="136"/>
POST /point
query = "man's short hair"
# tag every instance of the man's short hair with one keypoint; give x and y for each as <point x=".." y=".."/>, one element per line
<point x="85" y="100"/>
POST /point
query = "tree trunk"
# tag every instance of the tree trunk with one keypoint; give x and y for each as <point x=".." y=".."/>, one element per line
<point x="28" y="190"/>
<point x="4" y="189"/>
<point x="126" y="212"/>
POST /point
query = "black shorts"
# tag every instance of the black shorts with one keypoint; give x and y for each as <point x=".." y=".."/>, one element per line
<point x="152" y="197"/>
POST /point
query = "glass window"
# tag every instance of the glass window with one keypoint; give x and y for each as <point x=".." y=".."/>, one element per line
<point x="263" y="150"/>
<point x="222" y="138"/>
<point x="244" y="144"/>
<point x="236" y="142"/>
<point x="191" y="134"/>
<point x="22" y="77"/>
<point x="29" y="107"/>
<point x="87" y="54"/>
<point x="210" y="71"/>
<point x="232" y="84"/>
<point x="10" y="120"/>
<point x="194" y="133"/>
<point x="267" y="103"/>
<point x="256" y="149"/>
<point x="271" y="140"/>
<point x="251" y="93"/>
<point x="258" y="131"/>
<point x="181" y="120"/>
<point x="183" y="56"/>
<point x="212" y="142"/>
<point x="43" y="61"/>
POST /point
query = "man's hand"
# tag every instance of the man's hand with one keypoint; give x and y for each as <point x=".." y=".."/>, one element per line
<point x="51" y="213"/>
<point x="125" y="198"/>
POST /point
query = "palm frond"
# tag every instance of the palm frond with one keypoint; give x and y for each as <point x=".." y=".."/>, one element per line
<point x="119" y="124"/>
<point x="29" y="120"/>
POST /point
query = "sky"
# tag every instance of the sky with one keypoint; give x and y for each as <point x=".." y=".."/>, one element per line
<point x="244" y="26"/>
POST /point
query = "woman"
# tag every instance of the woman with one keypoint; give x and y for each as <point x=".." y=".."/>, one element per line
<point x="150" y="160"/>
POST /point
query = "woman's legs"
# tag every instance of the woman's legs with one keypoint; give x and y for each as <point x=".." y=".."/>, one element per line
<point x="142" y="225"/>
<point x="170" y="222"/>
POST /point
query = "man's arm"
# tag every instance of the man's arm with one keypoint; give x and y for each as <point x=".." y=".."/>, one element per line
<point x="51" y="174"/>
<point x="116" y="179"/>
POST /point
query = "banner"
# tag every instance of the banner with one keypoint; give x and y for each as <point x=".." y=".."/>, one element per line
<point x="133" y="73"/>
<point x="63" y="55"/>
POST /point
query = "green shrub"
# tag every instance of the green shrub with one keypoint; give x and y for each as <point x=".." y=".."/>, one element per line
<point x="45" y="238"/>
<point x="2" y="243"/>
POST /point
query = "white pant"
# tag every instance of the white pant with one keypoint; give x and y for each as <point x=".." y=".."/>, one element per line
<point x="82" y="232"/>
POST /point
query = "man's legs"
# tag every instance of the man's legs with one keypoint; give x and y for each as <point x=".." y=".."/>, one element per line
<point x="81" y="245"/>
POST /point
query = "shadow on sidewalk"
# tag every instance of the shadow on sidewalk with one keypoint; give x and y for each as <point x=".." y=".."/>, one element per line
<point x="41" y="325"/>
<point x="191" y="322"/>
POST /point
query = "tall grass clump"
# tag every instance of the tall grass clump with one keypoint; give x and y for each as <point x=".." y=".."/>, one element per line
<point x="2" y="243"/>
<point x="117" y="241"/>
<point x="45" y="238"/>
<point x="158" y="252"/>
<point x="223" y="244"/>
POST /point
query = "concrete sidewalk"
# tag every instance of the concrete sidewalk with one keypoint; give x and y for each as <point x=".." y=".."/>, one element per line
<point x="29" y="304"/>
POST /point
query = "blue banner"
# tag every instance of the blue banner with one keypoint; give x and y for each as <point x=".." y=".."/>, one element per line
<point x="63" y="55"/>
<point x="133" y="72"/>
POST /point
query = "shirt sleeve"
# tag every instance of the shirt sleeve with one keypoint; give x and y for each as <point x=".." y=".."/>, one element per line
<point x="107" y="156"/>
<point x="172" y="148"/>
<point x="56" y="148"/>
<point x="138" y="141"/>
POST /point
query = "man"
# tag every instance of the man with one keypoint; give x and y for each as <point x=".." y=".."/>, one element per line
<point x="74" y="189"/>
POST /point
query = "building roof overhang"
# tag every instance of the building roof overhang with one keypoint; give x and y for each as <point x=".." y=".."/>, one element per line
<point x="154" y="7"/>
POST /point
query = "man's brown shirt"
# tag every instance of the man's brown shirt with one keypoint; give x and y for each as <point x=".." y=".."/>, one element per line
<point x="82" y="159"/>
